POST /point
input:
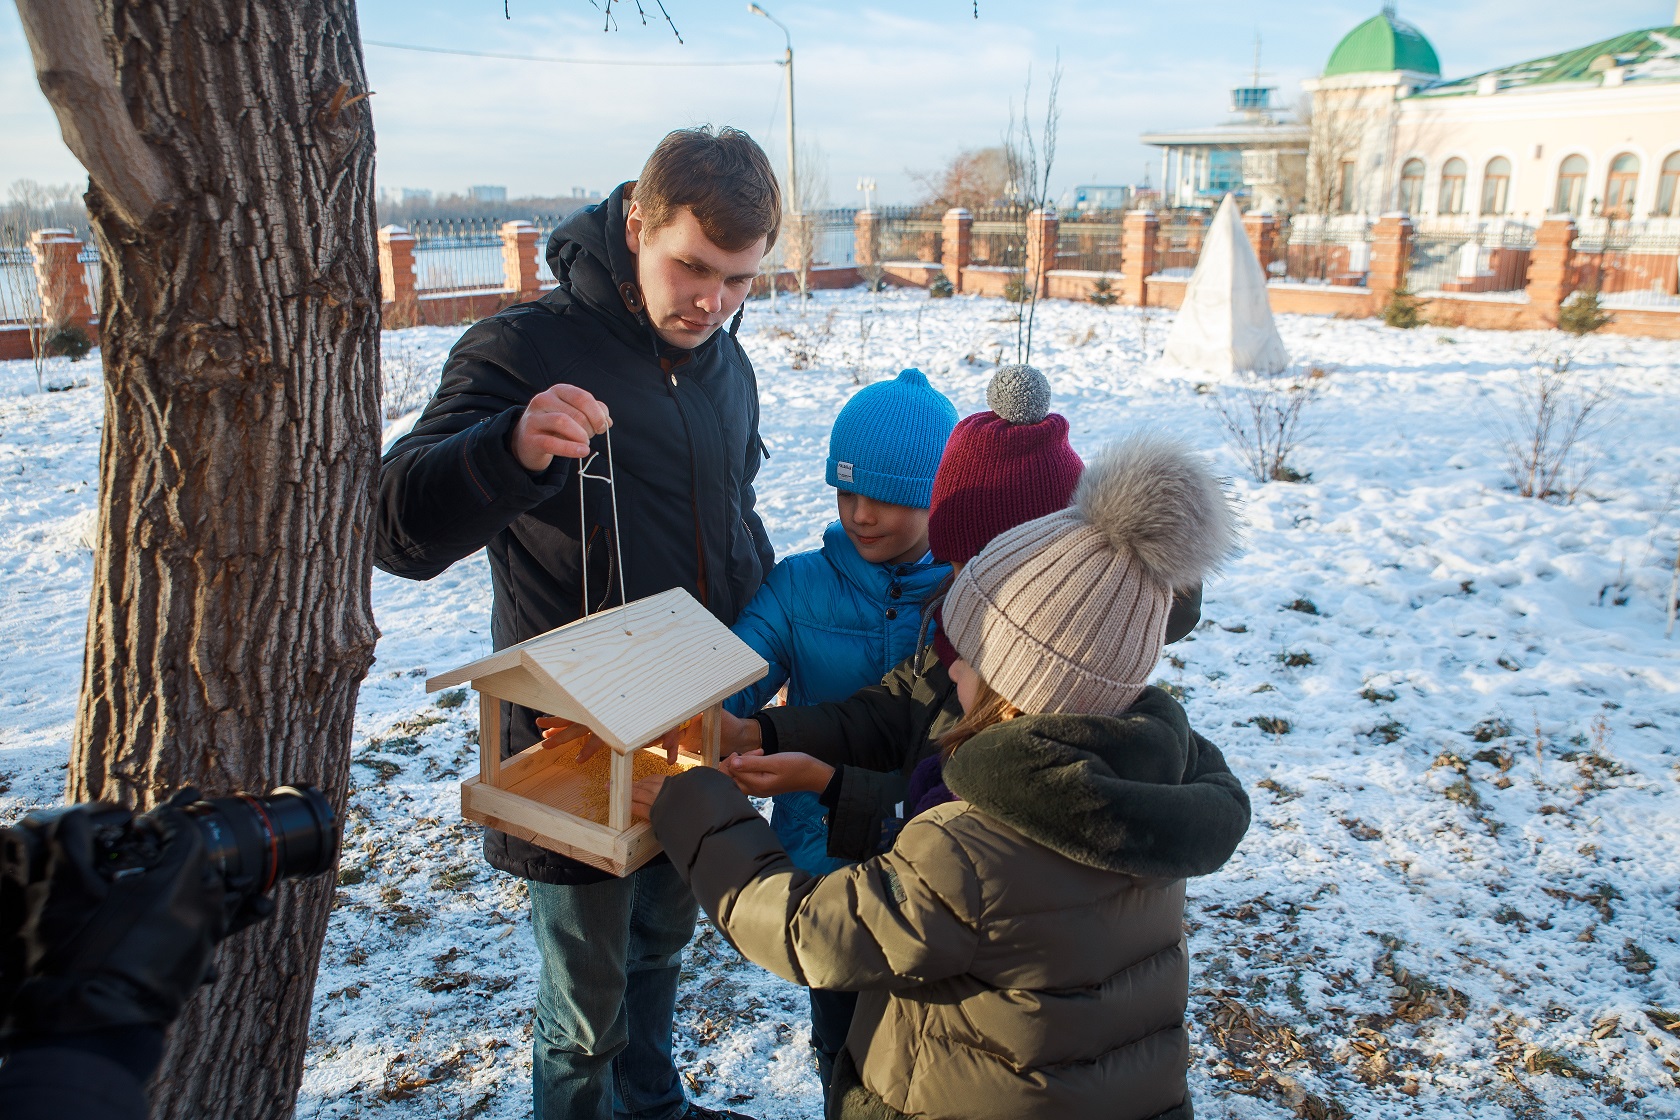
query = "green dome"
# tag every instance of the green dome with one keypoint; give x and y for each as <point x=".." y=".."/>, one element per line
<point x="1380" y="44"/>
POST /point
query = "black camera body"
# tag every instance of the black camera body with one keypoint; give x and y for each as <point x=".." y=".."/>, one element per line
<point x="250" y="842"/>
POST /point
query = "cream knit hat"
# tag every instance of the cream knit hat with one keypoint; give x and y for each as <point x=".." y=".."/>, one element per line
<point x="1068" y="613"/>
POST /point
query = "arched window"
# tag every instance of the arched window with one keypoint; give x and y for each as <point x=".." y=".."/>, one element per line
<point x="1496" y="185"/>
<point x="1452" y="187"/>
<point x="1619" y="189"/>
<point x="1571" y="186"/>
<point x="1347" y="187"/>
<point x="1411" y="186"/>
<point x="1668" y="188"/>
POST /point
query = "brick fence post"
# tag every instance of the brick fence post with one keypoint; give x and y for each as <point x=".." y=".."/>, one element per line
<point x="1262" y="234"/>
<point x="397" y="267"/>
<point x="1548" y="268"/>
<point x="1138" y="255"/>
<point x="1391" y="255"/>
<point x="59" y="278"/>
<point x="519" y="258"/>
<point x="864" y="228"/>
<point x="957" y="237"/>
<point x="1043" y="227"/>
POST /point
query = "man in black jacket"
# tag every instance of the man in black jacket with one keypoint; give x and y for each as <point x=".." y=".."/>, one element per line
<point x="629" y="339"/>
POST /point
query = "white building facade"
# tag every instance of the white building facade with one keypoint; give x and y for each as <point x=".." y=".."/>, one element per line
<point x="1593" y="133"/>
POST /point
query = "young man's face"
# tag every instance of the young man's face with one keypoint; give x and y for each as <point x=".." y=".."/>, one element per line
<point x="882" y="532"/>
<point x="691" y="286"/>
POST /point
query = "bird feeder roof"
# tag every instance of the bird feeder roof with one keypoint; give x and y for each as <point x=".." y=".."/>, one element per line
<point x="629" y="673"/>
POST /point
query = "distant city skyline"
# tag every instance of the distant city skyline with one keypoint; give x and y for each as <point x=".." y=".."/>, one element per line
<point x="881" y="92"/>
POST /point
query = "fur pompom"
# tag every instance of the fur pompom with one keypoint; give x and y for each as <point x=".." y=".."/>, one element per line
<point x="1019" y="394"/>
<point x="1154" y="497"/>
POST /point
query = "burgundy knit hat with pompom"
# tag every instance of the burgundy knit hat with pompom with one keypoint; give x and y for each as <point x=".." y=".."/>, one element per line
<point x="1001" y="468"/>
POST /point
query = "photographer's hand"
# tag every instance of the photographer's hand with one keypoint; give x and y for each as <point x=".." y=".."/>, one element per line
<point x="101" y="949"/>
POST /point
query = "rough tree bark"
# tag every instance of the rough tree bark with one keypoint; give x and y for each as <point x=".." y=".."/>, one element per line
<point x="230" y="154"/>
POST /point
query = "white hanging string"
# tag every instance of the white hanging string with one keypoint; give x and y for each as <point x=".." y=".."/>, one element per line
<point x="583" y="523"/>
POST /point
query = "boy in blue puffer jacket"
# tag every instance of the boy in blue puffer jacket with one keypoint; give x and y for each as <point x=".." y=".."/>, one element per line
<point x="838" y="619"/>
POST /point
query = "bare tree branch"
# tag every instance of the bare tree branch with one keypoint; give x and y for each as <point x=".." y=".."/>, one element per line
<point x="76" y="76"/>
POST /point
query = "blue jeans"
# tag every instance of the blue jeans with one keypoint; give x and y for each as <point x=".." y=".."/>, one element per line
<point x="611" y="954"/>
<point x="831" y="1019"/>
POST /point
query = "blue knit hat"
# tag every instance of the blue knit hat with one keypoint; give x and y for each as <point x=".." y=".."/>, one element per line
<point x="888" y="439"/>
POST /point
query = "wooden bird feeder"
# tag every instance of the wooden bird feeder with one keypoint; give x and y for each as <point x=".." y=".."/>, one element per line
<point x="629" y="674"/>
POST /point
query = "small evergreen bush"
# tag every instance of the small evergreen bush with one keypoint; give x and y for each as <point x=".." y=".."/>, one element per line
<point x="1015" y="290"/>
<point x="1403" y="310"/>
<point x="1582" y="314"/>
<point x="1103" y="293"/>
<point x="941" y="287"/>
<point x="67" y="340"/>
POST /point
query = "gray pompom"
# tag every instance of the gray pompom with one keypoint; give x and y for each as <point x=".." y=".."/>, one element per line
<point x="1019" y="394"/>
<point x="1153" y="496"/>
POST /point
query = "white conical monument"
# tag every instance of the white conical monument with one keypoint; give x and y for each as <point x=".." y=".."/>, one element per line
<point x="1226" y="324"/>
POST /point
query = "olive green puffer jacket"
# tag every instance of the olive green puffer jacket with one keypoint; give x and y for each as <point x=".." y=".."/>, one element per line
<point x="1021" y="951"/>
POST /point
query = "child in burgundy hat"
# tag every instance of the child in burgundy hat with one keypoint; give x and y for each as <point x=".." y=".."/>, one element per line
<point x="1001" y="468"/>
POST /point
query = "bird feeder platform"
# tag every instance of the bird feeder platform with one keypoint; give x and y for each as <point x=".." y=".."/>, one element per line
<point x="628" y="675"/>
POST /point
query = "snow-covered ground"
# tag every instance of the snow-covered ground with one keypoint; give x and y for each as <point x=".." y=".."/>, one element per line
<point x="1454" y="708"/>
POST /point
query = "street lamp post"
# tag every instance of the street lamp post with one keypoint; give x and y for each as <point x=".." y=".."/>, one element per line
<point x="792" y="157"/>
<point x="787" y="61"/>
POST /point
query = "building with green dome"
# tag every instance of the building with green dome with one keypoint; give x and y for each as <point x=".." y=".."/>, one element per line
<point x="1381" y="44"/>
<point x="1590" y="132"/>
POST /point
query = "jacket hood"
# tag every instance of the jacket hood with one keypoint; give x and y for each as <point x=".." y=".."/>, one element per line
<point x="581" y="252"/>
<point x="1105" y="791"/>
<point x="916" y="581"/>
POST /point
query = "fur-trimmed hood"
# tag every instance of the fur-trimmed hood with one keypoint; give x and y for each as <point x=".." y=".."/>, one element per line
<point x="1106" y="791"/>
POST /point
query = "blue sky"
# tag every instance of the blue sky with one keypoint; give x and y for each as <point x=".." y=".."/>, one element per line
<point x="883" y="90"/>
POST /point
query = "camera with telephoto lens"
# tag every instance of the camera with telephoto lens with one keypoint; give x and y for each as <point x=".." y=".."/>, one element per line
<point x="250" y="842"/>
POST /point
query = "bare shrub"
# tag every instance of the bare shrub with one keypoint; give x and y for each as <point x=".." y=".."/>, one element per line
<point x="20" y="295"/>
<point x="1266" y="421"/>
<point x="405" y="378"/>
<point x="1555" y="411"/>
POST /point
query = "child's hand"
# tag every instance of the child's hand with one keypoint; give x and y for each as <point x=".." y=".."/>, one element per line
<point x="765" y="775"/>
<point x="559" y="732"/>
<point x="643" y="794"/>
<point x="736" y="734"/>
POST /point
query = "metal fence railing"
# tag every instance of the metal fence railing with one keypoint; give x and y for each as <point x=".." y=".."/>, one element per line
<point x="1469" y="257"/>
<point x="20" y="299"/>
<point x="1178" y="242"/>
<point x="1319" y="251"/>
<point x="88" y="258"/>
<point x="909" y="233"/>
<point x="998" y="237"/>
<point x="457" y="255"/>
<point x="833" y="238"/>
<point x="1631" y="264"/>
<point x="1090" y="242"/>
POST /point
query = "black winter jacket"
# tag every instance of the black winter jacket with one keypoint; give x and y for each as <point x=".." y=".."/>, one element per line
<point x="685" y="451"/>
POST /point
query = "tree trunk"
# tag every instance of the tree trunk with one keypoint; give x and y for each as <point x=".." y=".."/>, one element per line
<point x="230" y="623"/>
